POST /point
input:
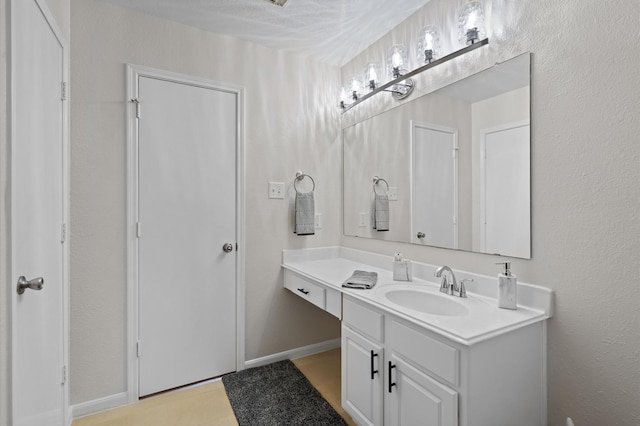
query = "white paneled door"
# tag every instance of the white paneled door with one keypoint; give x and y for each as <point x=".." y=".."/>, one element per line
<point x="506" y="192"/>
<point x="434" y="211"/>
<point x="187" y="139"/>
<point x="37" y="218"/>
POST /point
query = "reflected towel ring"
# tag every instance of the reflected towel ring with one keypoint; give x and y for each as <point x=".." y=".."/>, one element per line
<point x="377" y="179"/>
<point x="299" y="177"/>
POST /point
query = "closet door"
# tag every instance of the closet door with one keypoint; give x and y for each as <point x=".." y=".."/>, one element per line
<point x="187" y="216"/>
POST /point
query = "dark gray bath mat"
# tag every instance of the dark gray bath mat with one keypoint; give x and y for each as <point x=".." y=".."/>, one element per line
<point x="277" y="395"/>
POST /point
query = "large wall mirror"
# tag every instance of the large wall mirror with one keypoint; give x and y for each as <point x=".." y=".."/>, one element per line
<point x="454" y="164"/>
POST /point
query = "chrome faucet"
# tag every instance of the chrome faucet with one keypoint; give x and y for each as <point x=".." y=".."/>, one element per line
<point x="445" y="286"/>
<point x="451" y="287"/>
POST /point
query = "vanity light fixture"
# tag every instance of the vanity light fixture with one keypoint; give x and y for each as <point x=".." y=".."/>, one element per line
<point x="371" y="75"/>
<point x="471" y="34"/>
<point x="397" y="68"/>
<point x="429" y="44"/>
<point x="471" y="23"/>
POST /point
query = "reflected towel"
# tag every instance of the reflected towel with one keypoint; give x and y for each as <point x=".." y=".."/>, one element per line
<point x="381" y="213"/>
<point x="361" y="280"/>
<point x="305" y="214"/>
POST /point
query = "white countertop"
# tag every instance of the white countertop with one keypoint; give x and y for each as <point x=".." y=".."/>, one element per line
<point x="331" y="266"/>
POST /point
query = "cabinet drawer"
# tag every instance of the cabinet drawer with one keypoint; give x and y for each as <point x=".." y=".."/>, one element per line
<point x="305" y="289"/>
<point x="363" y="319"/>
<point x="426" y="352"/>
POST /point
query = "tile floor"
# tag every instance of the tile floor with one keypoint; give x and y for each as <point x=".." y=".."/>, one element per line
<point x="207" y="404"/>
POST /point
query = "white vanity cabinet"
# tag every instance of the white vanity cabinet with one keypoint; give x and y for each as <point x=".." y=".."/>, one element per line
<point x="403" y="366"/>
<point x="378" y="385"/>
<point x="397" y="373"/>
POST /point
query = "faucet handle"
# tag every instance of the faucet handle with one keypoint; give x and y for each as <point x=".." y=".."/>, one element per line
<point x="463" y="290"/>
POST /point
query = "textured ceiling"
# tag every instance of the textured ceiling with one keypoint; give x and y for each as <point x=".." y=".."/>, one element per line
<point x="332" y="31"/>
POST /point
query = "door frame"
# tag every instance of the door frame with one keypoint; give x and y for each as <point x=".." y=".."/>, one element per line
<point x="10" y="174"/>
<point x="454" y="132"/>
<point x="483" y="170"/>
<point x="133" y="73"/>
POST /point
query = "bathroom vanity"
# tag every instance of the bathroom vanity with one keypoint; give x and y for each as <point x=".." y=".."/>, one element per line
<point x="413" y="355"/>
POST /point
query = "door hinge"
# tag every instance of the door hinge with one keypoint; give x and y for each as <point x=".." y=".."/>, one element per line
<point x="138" y="230"/>
<point x="137" y="102"/>
<point x="63" y="234"/>
<point x="138" y="349"/>
<point x="63" y="375"/>
<point x="63" y="91"/>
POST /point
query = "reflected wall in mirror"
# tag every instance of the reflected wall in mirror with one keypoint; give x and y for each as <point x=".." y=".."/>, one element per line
<point x="457" y="162"/>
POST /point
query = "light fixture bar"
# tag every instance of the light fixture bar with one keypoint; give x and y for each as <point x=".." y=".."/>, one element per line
<point x="418" y="70"/>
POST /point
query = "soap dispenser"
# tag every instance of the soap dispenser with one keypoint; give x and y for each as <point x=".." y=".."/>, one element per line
<point x="402" y="270"/>
<point x="507" y="288"/>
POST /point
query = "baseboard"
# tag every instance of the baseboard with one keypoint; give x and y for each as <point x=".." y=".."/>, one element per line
<point x="100" y="404"/>
<point x="294" y="353"/>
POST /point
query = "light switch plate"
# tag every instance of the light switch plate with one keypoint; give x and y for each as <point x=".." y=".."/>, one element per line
<point x="276" y="190"/>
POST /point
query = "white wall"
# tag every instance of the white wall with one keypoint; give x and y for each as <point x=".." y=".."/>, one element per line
<point x="585" y="160"/>
<point x="291" y="124"/>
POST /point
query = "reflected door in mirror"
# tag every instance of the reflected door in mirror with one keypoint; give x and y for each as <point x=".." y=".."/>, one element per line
<point x="505" y="191"/>
<point x="433" y="178"/>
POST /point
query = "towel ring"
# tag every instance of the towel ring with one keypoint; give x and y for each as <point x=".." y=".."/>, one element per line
<point x="299" y="177"/>
<point x="376" y="180"/>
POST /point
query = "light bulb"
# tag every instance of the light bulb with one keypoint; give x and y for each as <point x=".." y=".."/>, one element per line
<point x="371" y="75"/>
<point x="471" y="23"/>
<point x="397" y="60"/>
<point x="428" y="41"/>
<point x="429" y="44"/>
<point x="356" y="88"/>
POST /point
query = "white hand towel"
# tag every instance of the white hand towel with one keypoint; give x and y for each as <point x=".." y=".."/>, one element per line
<point x="305" y="214"/>
<point x="381" y="213"/>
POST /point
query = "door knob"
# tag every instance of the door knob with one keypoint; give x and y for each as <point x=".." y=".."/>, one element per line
<point x="420" y="235"/>
<point x="227" y="247"/>
<point x="34" y="284"/>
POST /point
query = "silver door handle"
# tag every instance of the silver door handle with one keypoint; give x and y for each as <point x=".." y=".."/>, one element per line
<point x="227" y="247"/>
<point x="420" y="235"/>
<point x="34" y="284"/>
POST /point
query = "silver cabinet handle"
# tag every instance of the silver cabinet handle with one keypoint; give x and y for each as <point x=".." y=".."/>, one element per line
<point x="34" y="284"/>
<point x="227" y="247"/>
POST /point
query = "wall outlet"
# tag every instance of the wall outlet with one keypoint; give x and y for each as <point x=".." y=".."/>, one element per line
<point x="363" y="219"/>
<point x="318" y="220"/>
<point x="276" y="190"/>
<point x="393" y="193"/>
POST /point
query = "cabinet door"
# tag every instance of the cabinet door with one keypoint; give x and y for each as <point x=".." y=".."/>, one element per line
<point x="362" y="377"/>
<point x="413" y="398"/>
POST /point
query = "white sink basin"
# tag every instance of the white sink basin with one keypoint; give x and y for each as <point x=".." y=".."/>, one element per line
<point x="424" y="301"/>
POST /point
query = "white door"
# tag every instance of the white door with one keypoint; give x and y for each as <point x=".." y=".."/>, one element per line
<point x="186" y="213"/>
<point x="434" y="211"/>
<point x="506" y="191"/>
<point x="37" y="218"/>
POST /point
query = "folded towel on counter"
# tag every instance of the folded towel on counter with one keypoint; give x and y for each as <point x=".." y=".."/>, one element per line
<point x="305" y="213"/>
<point x="381" y="213"/>
<point x="361" y="279"/>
